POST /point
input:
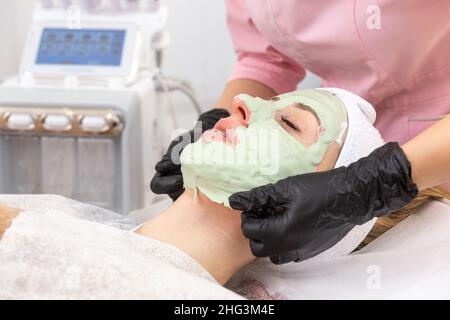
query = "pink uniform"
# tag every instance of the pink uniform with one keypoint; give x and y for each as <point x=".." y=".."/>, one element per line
<point x="394" y="53"/>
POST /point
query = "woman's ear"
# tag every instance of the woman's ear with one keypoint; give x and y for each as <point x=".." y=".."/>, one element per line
<point x="321" y="130"/>
<point x="7" y="215"/>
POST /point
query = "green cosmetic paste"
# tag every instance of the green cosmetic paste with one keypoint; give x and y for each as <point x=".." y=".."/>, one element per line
<point x="265" y="152"/>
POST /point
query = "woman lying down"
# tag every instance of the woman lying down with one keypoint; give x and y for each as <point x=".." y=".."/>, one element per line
<point x="196" y="246"/>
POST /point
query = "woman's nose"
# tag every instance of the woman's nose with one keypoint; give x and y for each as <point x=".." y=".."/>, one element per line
<point x="240" y="117"/>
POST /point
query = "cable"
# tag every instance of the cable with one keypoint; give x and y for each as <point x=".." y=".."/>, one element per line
<point x="175" y="84"/>
<point x="167" y="85"/>
<point x="162" y="86"/>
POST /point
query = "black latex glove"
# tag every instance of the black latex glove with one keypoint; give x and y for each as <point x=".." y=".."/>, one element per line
<point x="319" y="209"/>
<point x="168" y="178"/>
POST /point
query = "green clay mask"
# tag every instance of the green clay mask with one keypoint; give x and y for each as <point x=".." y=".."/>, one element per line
<point x="265" y="152"/>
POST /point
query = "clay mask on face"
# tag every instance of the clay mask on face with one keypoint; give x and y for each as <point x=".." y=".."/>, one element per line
<point x="264" y="152"/>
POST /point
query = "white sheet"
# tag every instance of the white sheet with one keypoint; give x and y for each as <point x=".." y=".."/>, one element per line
<point x="58" y="204"/>
<point x="51" y="255"/>
<point x="411" y="261"/>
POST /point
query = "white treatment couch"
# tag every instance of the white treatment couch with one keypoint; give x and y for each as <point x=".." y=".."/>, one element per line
<point x="411" y="261"/>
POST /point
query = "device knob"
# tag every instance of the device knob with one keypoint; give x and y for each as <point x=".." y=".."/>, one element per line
<point x="57" y="122"/>
<point x="94" y="124"/>
<point x="21" y="121"/>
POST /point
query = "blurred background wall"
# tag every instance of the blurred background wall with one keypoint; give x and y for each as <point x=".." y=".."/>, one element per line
<point x="15" y="17"/>
<point x="200" y="52"/>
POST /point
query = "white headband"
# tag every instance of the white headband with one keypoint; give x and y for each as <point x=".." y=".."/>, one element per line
<point x="362" y="138"/>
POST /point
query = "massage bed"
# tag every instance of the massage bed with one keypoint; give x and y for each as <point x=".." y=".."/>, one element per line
<point x="411" y="261"/>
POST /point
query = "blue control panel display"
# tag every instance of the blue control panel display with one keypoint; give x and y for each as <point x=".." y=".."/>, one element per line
<point x="81" y="47"/>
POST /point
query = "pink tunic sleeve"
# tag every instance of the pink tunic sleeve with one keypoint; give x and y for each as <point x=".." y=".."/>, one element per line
<point x="256" y="58"/>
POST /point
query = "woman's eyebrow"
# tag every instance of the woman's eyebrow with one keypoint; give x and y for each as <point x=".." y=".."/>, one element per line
<point x="309" y="109"/>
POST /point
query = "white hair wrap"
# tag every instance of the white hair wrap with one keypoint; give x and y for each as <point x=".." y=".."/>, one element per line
<point x="362" y="138"/>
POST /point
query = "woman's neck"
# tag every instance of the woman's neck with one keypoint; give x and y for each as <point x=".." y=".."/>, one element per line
<point x="207" y="231"/>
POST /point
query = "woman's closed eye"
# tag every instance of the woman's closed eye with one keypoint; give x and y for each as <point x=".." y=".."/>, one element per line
<point x="290" y="124"/>
<point x="302" y="124"/>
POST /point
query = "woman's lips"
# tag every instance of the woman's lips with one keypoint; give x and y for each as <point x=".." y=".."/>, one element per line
<point x="229" y="137"/>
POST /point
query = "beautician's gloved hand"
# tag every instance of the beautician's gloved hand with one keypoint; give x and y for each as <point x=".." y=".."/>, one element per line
<point x="168" y="178"/>
<point x="319" y="209"/>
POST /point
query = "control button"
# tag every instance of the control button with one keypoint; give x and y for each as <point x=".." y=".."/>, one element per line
<point x="57" y="122"/>
<point x="95" y="124"/>
<point x="20" y="121"/>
